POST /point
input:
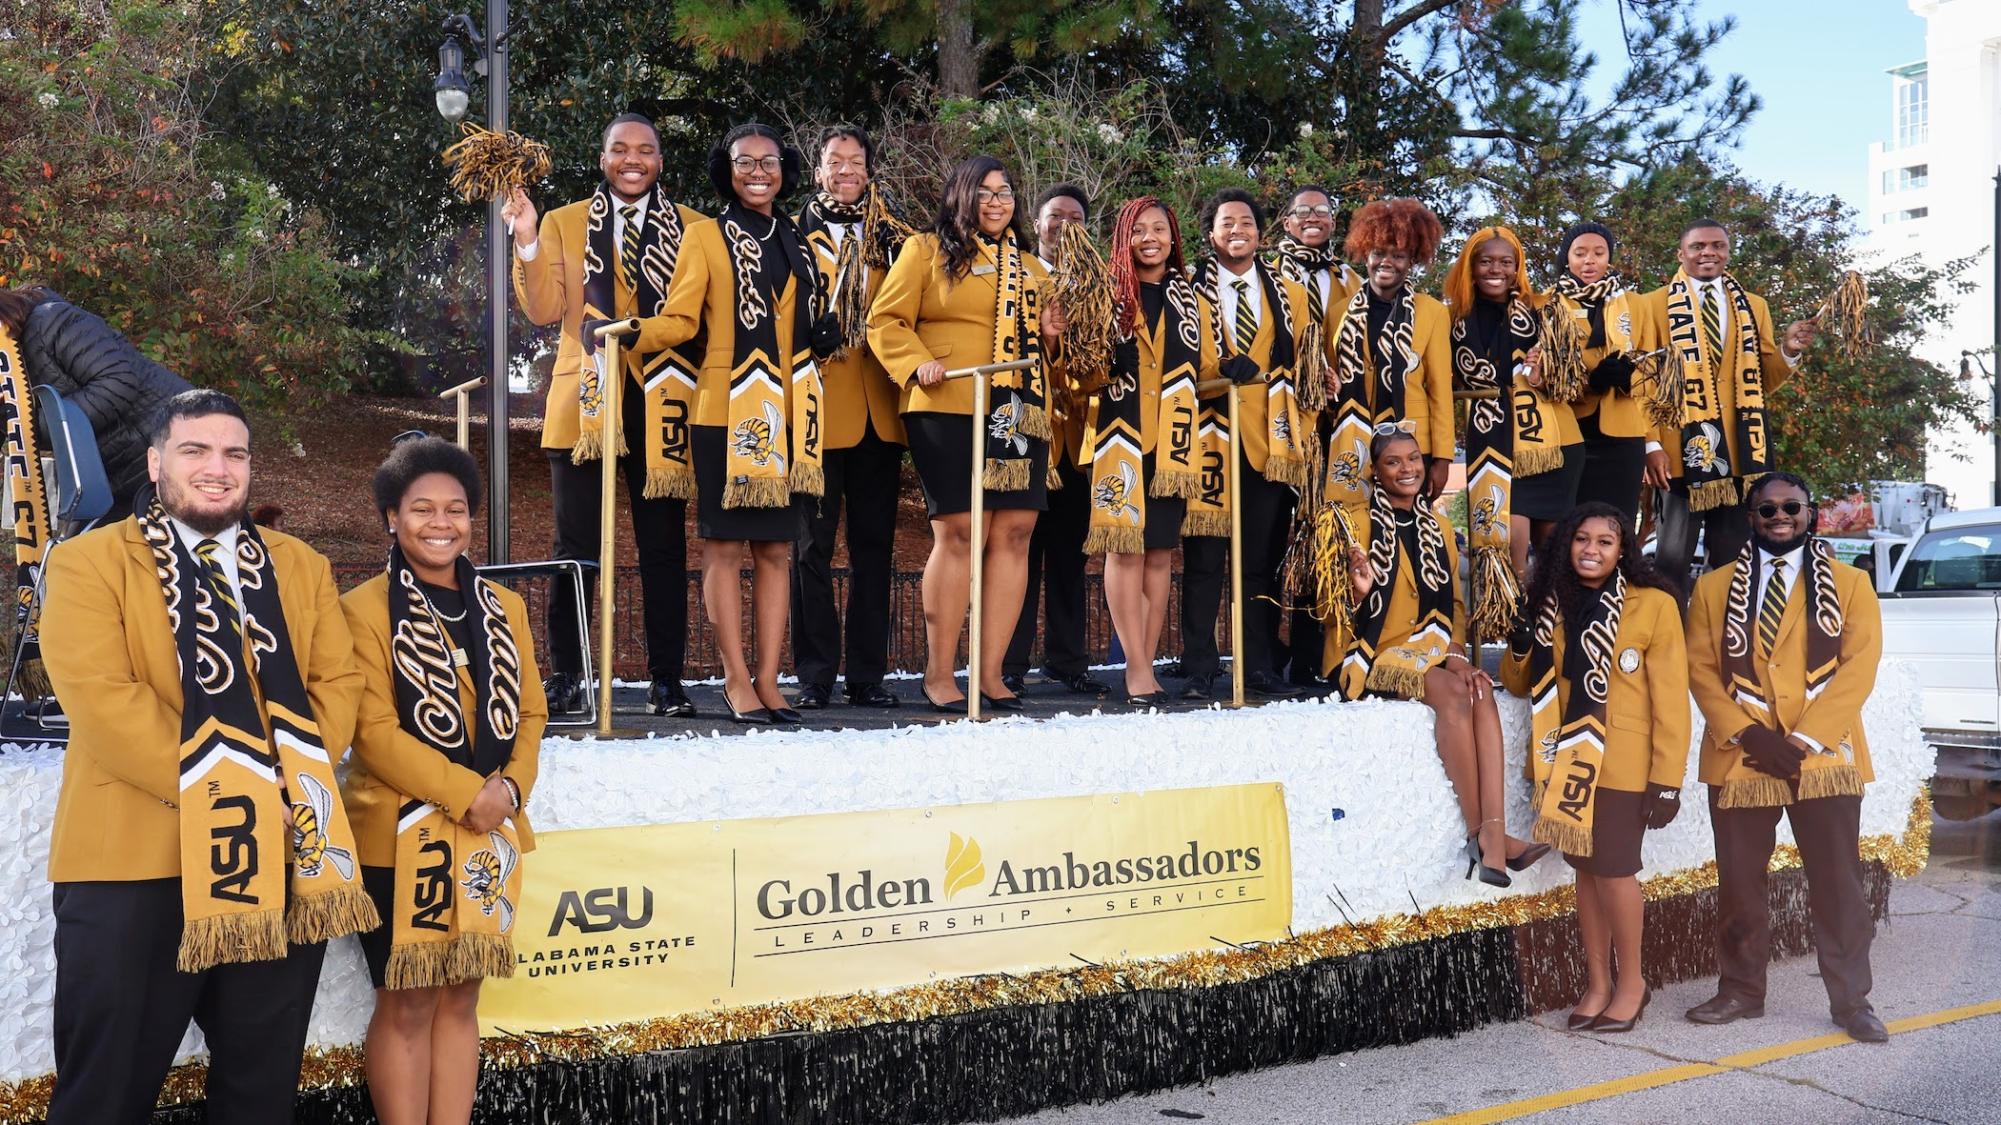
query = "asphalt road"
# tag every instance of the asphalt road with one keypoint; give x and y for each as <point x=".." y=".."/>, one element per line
<point x="1940" y="950"/>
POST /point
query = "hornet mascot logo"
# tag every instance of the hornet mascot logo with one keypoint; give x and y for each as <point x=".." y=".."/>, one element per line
<point x="1005" y="425"/>
<point x="486" y="879"/>
<point x="755" y="438"/>
<point x="1705" y="450"/>
<point x="1487" y="513"/>
<point x="309" y="835"/>
<point x="1115" y="494"/>
<point x="1281" y="426"/>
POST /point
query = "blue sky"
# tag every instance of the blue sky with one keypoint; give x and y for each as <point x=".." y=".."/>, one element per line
<point x="1819" y="67"/>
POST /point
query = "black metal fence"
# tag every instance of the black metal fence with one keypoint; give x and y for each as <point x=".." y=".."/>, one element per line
<point x="906" y="621"/>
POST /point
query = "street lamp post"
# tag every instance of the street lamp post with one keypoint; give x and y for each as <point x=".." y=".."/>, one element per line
<point x="454" y="96"/>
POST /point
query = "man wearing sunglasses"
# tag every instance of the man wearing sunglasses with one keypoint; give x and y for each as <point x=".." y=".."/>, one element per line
<point x="1783" y="644"/>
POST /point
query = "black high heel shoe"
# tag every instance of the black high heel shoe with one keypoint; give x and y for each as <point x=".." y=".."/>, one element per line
<point x="761" y="717"/>
<point x="1603" y="1026"/>
<point x="1008" y="703"/>
<point x="1492" y="876"/>
<point x="1528" y="858"/>
<point x="1583" y="1023"/>
<point x="956" y="707"/>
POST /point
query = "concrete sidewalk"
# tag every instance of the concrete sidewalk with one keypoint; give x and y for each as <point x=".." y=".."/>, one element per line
<point x="1940" y="949"/>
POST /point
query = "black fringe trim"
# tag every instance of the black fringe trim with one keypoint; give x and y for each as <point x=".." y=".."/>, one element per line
<point x="1011" y="1061"/>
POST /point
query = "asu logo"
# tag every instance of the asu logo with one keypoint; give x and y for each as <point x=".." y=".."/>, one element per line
<point x="1005" y="425"/>
<point x="1487" y="513"/>
<point x="486" y="879"/>
<point x="963" y="866"/>
<point x="309" y="836"/>
<point x="1705" y="450"/>
<point x="756" y="438"/>
<point x="1114" y="493"/>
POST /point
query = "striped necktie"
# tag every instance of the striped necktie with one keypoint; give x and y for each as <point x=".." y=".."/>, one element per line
<point x="209" y="552"/>
<point x="1712" y="324"/>
<point x="628" y="248"/>
<point x="1772" y="608"/>
<point x="1315" y="302"/>
<point x="1247" y="317"/>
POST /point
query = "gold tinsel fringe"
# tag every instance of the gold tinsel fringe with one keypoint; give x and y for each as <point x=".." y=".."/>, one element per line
<point x="1207" y="523"/>
<point x="757" y="492"/>
<point x="1708" y="494"/>
<point x="669" y="483"/>
<point x="1573" y="839"/>
<point x="489" y="165"/>
<point x="1184" y="485"/>
<point x="808" y="478"/>
<point x="1564" y="377"/>
<point x="227" y="939"/>
<point x="1666" y="378"/>
<point x="1315" y="372"/>
<point x="1497" y="593"/>
<point x="1082" y="285"/>
<point x="1120" y="540"/>
<point x="322" y="917"/>
<point x="1531" y="460"/>
<point x="1010" y="475"/>
<point x="1034" y="422"/>
<point x="1830" y="781"/>
<point x="326" y="1067"/>
<point x="1848" y="310"/>
<point x="1759" y="792"/>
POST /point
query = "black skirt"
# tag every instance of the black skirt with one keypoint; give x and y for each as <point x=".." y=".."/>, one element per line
<point x="1551" y="495"/>
<point x="713" y="521"/>
<point x="380" y="883"/>
<point x="1614" y="467"/>
<point x="941" y="446"/>
<point x="1163" y="514"/>
<point x="1618" y="821"/>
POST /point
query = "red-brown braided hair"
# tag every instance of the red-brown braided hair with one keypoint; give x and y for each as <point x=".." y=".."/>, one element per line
<point x="1125" y="278"/>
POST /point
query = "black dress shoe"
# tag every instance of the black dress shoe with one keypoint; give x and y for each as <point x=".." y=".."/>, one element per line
<point x="1201" y="689"/>
<point x="1147" y="699"/>
<point x="813" y="697"/>
<point x="1270" y="687"/>
<point x="1014" y="682"/>
<point x="1172" y="670"/>
<point x="668" y="697"/>
<point x="1083" y="683"/>
<point x="1724" y="1008"/>
<point x="785" y="715"/>
<point x="565" y="693"/>
<point x="1864" y="1026"/>
<point x="872" y="695"/>
<point x="1008" y="703"/>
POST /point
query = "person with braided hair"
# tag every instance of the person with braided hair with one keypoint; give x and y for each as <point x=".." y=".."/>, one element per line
<point x="854" y="237"/>
<point x="1144" y="462"/>
<point x="1599" y="654"/>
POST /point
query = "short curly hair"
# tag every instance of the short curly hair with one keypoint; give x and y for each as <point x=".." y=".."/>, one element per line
<point x="419" y="456"/>
<point x="789" y="159"/>
<point x="1393" y="225"/>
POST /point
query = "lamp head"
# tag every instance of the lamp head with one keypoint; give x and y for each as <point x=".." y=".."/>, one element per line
<point x="453" y="94"/>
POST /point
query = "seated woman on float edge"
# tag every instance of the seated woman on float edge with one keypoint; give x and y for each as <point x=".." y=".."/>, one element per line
<point x="1600" y="655"/>
<point x="1407" y="640"/>
<point x="445" y="753"/>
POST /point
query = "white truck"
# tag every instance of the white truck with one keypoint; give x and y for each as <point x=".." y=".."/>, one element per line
<point x="1942" y="614"/>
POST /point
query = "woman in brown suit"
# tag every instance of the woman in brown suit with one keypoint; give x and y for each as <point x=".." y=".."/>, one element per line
<point x="1601" y="657"/>
<point x="966" y="294"/>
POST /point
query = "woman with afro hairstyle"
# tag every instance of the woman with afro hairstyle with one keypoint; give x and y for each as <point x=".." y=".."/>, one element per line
<point x="746" y="281"/>
<point x="1601" y="657"/>
<point x="1392" y="358"/>
<point x="968" y="293"/>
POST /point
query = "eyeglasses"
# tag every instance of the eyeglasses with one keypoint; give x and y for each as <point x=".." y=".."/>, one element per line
<point x="1322" y="212"/>
<point x="757" y="164"/>
<point x="1790" y="507"/>
<point x="1004" y="195"/>
<point x="1385" y="429"/>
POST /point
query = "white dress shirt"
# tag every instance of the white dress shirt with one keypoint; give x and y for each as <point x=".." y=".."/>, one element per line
<point x="527" y="253"/>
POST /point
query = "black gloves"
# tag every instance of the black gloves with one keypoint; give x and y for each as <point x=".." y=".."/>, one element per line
<point x="590" y="330"/>
<point x="1125" y="361"/>
<point x="1769" y="752"/>
<point x="1662" y="805"/>
<point x="826" y="336"/>
<point x="1521" y="632"/>
<point x="1614" y="372"/>
<point x="1241" y="369"/>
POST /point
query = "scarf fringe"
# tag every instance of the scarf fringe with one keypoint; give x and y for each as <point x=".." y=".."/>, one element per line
<point x="1184" y="485"/>
<point x="440" y="964"/>
<point x="1052" y="477"/>
<point x="1010" y="475"/>
<point x="663" y="483"/>
<point x="1830" y="781"/>
<point x="1035" y="422"/>
<point x="1115" y="540"/>
<point x="1315" y="372"/>
<point x="228" y="939"/>
<point x="322" y="917"/>
<point x="1399" y="680"/>
<point x="1718" y="493"/>
<point x="1530" y="460"/>
<point x="1566" y="837"/>
<point x="1287" y="470"/>
<point x="1206" y="525"/>
<point x="756" y="492"/>
<point x="1755" y="793"/>
<point x="809" y="478"/>
<point x="477" y="956"/>
<point x="590" y="445"/>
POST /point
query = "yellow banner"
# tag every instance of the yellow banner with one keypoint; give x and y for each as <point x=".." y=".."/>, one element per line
<point x="625" y="924"/>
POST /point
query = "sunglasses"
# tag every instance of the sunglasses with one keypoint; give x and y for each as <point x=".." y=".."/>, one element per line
<point x="1768" y="509"/>
<point x="1385" y="429"/>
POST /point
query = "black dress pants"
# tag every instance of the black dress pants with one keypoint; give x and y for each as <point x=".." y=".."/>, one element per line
<point x="864" y="480"/>
<point x="122" y="1007"/>
<point x="1205" y="581"/>
<point x="659" y="530"/>
<point x="1724" y="532"/>
<point x="1056" y="572"/>
<point x="1828" y="831"/>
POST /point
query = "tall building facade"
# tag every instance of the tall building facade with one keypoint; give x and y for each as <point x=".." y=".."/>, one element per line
<point x="1932" y="192"/>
